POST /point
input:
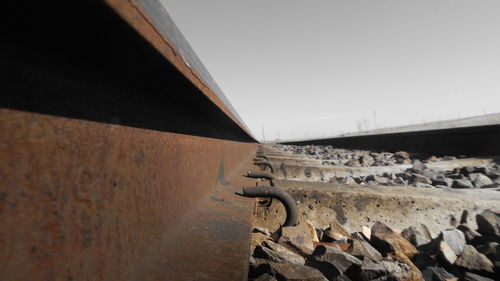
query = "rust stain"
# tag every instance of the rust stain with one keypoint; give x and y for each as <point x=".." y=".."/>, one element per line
<point x="81" y="200"/>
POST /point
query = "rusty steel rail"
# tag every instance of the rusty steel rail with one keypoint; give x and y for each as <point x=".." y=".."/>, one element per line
<point x="119" y="157"/>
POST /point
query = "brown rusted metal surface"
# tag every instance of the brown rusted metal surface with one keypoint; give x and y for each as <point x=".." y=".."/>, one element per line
<point x="81" y="200"/>
<point x="132" y="12"/>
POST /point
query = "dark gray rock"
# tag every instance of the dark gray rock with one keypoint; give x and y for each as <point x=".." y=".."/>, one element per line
<point x="296" y="272"/>
<point x="341" y="278"/>
<point x="335" y="257"/>
<point x="494" y="175"/>
<point x="480" y="180"/>
<point x="488" y="223"/>
<point x="462" y="183"/>
<point x="394" y="270"/>
<point x="407" y="176"/>
<point x="326" y="268"/>
<point x="483" y="170"/>
<point x="467" y="170"/>
<point x="258" y="267"/>
<point x="491" y="250"/>
<point x="436" y="274"/>
<point x="443" y="274"/>
<point x="265" y="277"/>
<point x="493" y="185"/>
<point x="385" y="278"/>
<point x="361" y="248"/>
<point x="277" y="253"/>
<point x="414" y="236"/>
<point x="456" y="176"/>
<point x="472" y="260"/>
<point x="376" y="179"/>
<point x="442" y="180"/>
<point x="424" y="260"/>
<point x="474" y="277"/>
<point x="400" y="181"/>
<point x="371" y="270"/>
<point x="359" y="180"/>
<point x="469" y="233"/>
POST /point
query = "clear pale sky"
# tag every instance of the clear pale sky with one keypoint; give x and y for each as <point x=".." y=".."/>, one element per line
<point x="316" y="68"/>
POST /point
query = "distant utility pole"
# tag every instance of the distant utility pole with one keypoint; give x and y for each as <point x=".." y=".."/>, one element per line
<point x="365" y="121"/>
<point x="278" y="131"/>
<point x="263" y="136"/>
<point x="375" y="119"/>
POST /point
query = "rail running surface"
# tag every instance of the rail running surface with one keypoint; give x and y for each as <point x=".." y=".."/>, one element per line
<point x="119" y="158"/>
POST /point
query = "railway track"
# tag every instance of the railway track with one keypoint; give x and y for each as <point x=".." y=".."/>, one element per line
<point x="340" y="206"/>
<point x="469" y="141"/>
<point x="121" y="159"/>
